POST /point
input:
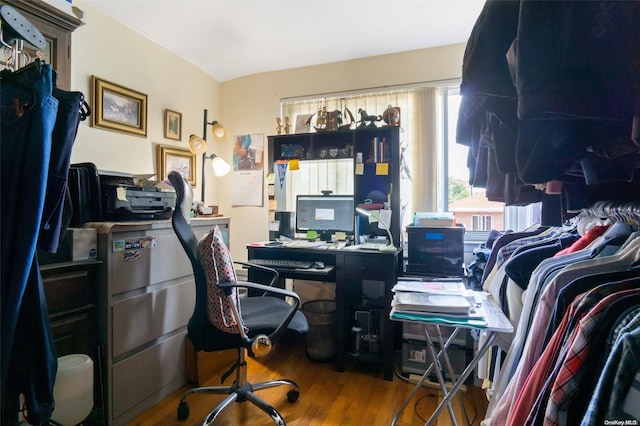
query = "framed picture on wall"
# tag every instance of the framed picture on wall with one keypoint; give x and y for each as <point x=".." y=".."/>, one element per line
<point x="172" y="125"/>
<point x="173" y="159"/>
<point x="118" y="108"/>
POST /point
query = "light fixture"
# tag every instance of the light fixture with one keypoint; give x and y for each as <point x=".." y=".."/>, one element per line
<point x="198" y="146"/>
<point x="220" y="167"/>
<point x="389" y="248"/>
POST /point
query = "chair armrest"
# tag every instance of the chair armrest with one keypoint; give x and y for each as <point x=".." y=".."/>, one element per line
<point x="275" y="274"/>
<point x="277" y="333"/>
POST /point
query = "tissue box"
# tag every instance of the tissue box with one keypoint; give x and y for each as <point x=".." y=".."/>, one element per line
<point x="84" y="243"/>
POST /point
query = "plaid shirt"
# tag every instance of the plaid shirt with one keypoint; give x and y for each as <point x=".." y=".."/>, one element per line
<point x="617" y="364"/>
<point x="572" y="369"/>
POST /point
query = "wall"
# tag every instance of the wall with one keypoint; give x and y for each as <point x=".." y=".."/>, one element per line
<point x="252" y="104"/>
<point x="247" y="105"/>
<point x="105" y="48"/>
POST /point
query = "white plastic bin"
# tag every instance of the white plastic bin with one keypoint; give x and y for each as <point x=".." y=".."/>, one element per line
<point x="73" y="389"/>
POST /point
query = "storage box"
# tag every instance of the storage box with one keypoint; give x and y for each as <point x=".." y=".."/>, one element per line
<point x="435" y="251"/>
<point x="84" y="243"/>
<point x="416" y="359"/>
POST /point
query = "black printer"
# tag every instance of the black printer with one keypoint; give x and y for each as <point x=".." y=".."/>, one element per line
<point x="112" y="196"/>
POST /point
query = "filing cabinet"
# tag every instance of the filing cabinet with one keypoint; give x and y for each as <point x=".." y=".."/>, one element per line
<point x="146" y="296"/>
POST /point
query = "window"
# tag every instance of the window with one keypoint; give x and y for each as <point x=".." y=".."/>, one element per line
<point x="434" y="174"/>
<point x="481" y="223"/>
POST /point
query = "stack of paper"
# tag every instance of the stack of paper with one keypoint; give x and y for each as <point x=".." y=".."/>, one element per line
<point x="432" y="302"/>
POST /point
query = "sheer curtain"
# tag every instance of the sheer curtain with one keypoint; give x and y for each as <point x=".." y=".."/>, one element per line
<point x="418" y="144"/>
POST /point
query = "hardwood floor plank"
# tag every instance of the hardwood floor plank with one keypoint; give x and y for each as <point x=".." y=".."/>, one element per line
<point x="359" y="396"/>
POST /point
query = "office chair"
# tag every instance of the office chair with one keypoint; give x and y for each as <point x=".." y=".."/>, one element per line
<point x="268" y="318"/>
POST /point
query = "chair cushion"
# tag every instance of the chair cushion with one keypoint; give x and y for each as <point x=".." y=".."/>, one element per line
<point x="218" y="267"/>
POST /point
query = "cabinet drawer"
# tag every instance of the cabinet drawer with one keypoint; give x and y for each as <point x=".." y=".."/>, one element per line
<point x="154" y="372"/>
<point x="143" y="318"/>
<point x="367" y="267"/>
<point x="67" y="290"/>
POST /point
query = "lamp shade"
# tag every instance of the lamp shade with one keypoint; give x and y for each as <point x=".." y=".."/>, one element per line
<point x="220" y="134"/>
<point x="220" y="167"/>
<point x="197" y="145"/>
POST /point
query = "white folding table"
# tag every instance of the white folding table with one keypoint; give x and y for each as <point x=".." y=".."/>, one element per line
<point x="493" y="321"/>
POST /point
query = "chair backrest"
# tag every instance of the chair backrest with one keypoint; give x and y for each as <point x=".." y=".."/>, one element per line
<point x="182" y="227"/>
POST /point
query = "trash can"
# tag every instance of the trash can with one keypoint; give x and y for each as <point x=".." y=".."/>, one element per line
<point x="73" y="389"/>
<point x="321" y="316"/>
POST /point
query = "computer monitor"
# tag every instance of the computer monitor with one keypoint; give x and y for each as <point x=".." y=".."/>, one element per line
<point x="326" y="214"/>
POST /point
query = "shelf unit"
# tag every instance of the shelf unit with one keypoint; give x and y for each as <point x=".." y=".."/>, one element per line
<point x="377" y="178"/>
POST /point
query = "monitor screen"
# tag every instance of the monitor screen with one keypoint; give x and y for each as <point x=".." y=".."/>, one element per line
<point x="334" y="213"/>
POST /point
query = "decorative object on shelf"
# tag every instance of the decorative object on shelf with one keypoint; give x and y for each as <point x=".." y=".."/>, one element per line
<point x="172" y="125"/>
<point x="198" y="145"/>
<point x="303" y="123"/>
<point x="280" y="126"/>
<point x="174" y="159"/>
<point x="291" y="151"/>
<point x="349" y="115"/>
<point x="118" y="108"/>
<point x="367" y="120"/>
<point x="328" y="120"/>
<point x="391" y="116"/>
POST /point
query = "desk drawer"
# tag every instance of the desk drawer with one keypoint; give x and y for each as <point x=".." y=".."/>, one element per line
<point x="366" y="267"/>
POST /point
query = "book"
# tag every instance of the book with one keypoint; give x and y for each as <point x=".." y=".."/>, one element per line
<point x="443" y="286"/>
<point x="431" y="302"/>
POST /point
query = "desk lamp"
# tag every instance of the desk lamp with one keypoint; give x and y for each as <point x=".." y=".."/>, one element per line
<point x="389" y="248"/>
<point x="198" y="145"/>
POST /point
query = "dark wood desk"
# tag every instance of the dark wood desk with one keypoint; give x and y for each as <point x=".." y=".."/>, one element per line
<point x="350" y="268"/>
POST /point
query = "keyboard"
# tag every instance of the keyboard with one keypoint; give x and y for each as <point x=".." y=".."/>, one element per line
<point x="283" y="263"/>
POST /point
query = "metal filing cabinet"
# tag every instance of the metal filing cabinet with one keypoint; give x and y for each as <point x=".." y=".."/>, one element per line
<point x="146" y="297"/>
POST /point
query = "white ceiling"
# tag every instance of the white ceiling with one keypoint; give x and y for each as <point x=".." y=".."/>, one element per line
<point x="234" y="38"/>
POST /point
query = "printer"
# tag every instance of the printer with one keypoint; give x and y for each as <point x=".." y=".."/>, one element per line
<point x="123" y="199"/>
<point x="114" y="196"/>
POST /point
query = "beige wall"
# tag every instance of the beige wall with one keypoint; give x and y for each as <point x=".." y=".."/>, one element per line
<point x="247" y="105"/>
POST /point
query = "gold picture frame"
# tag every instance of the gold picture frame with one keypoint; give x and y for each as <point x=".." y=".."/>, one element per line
<point x="169" y="159"/>
<point x="172" y="125"/>
<point x="118" y="108"/>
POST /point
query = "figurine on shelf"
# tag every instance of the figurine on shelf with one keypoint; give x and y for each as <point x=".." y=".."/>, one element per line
<point x="287" y="125"/>
<point x="279" y="125"/>
<point x="367" y="120"/>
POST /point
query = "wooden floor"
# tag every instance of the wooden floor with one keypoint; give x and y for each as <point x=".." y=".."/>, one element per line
<point x="359" y="396"/>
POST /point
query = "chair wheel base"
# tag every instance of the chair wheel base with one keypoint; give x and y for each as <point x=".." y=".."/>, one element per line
<point x="183" y="410"/>
<point x="293" y="395"/>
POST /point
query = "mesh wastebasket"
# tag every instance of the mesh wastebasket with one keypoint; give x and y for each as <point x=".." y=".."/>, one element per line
<point x="321" y="316"/>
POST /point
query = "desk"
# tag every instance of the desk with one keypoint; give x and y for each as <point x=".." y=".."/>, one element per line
<point x="347" y="268"/>
<point x="494" y="322"/>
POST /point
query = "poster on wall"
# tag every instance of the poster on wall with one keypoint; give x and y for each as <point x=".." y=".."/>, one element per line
<point x="248" y="175"/>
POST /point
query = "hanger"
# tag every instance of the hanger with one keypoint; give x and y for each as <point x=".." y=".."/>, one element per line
<point x="15" y="29"/>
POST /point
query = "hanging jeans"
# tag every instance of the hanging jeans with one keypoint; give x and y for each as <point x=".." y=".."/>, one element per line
<point x="28" y="359"/>
<point x="64" y="135"/>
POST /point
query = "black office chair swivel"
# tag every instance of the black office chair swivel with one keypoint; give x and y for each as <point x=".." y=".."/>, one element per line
<point x="268" y="319"/>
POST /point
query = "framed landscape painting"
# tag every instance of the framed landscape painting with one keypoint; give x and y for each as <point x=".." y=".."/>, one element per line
<point x="118" y="108"/>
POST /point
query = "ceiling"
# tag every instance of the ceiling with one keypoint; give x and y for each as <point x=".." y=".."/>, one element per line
<point x="234" y="38"/>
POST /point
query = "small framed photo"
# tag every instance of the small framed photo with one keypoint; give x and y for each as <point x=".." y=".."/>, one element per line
<point x="173" y="159"/>
<point x="172" y="125"/>
<point x="118" y="108"/>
